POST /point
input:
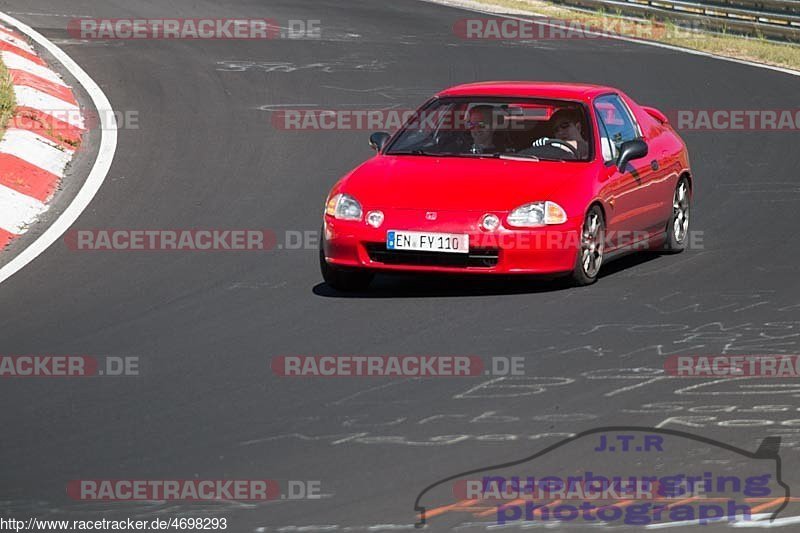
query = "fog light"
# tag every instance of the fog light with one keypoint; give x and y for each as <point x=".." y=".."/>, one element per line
<point x="490" y="222"/>
<point x="375" y="218"/>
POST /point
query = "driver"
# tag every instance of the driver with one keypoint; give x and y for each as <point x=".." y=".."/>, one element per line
<point x="481" y="128"/>
<point x="566" y="128"/>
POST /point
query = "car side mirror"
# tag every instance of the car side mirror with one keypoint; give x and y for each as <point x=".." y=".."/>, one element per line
<point x="630" y="150"/>
<point x="378" y="140"/>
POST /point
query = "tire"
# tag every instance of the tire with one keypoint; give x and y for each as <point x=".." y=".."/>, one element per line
<point x="677" y="232"/>
<point x="345" y="280"/>
<point x="592" y="244"/>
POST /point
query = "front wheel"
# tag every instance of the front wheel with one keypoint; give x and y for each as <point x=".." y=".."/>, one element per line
<point x="678" y="227"/>
<point x="590" y="253"/>
<point x="346" y="280"/>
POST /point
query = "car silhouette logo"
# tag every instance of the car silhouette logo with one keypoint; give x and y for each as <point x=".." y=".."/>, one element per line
<point x="509" y="493"/>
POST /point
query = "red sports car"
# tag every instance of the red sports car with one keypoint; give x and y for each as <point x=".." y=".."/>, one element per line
<point x="511" y="178"/>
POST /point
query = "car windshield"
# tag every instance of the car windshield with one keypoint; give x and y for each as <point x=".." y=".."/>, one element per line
<point x="518" y="128"/>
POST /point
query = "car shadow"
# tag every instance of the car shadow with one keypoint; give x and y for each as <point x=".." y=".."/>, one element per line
<point x="629" y="261"/>
<point x="448" y="285"/>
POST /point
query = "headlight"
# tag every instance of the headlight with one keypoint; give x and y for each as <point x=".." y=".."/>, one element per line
<point x="343" y="206"/>
<point x="537" y="214"/>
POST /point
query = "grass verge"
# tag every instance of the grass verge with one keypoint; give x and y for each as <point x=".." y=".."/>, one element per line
<point x="8" y="101"/>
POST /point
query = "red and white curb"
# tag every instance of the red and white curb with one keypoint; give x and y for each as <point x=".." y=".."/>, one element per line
<point x="40" y="139"/>
<point x="104" y="157"/>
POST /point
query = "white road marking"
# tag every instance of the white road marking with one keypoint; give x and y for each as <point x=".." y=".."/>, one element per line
<point x="765" y="522"/>
<point x="105" y="154"/>
<point x="757" y="520"/>
<point x="48" y="14"/>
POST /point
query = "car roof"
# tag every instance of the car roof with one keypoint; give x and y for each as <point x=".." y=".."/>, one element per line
<point x="530" y="89"/>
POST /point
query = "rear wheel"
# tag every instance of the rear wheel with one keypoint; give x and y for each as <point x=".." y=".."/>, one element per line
<point x="346" y="280"/>
<point x="678" y="228"/>
<point x="590" y="253"/>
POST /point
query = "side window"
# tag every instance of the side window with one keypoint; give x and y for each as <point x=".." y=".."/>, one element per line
<point x="616" y="125"/>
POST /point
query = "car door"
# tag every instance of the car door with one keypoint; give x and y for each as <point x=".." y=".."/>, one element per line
<point x="627" y="191"/>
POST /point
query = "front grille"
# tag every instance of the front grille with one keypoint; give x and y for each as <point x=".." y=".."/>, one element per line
<point x="478" y="258"/>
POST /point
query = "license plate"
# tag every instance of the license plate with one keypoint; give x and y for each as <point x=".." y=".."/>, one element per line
<point x="427" y="242"/>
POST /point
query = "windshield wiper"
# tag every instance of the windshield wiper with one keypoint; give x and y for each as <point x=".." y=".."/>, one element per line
<point x="411" y="152"/>
<point x="552" y="159"/>
<point x="506" y="155"/>
<point x="493" y="155"/>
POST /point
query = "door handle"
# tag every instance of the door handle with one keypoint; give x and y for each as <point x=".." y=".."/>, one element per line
<point x="654" y="164"/>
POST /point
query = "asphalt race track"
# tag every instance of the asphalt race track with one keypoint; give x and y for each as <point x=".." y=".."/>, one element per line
<point x="206" y="325"/>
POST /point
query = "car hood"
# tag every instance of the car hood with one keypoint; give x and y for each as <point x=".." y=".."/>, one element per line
<point x="457" y="183"/>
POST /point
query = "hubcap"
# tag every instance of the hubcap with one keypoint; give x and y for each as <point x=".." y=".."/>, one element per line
<point x="680" y="212"/>
<point x="592" y="245"/>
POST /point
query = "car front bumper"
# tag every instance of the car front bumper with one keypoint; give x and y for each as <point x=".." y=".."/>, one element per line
<point x="541" y="250"/>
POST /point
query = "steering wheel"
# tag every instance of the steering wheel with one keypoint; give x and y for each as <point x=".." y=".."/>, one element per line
<point x="558" y="143"/>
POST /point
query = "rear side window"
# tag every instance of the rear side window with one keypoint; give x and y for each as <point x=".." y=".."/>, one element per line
<point x="616" y="125"/>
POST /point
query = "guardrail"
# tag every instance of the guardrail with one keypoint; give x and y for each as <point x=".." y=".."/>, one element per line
<point x="771" y="19"/>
